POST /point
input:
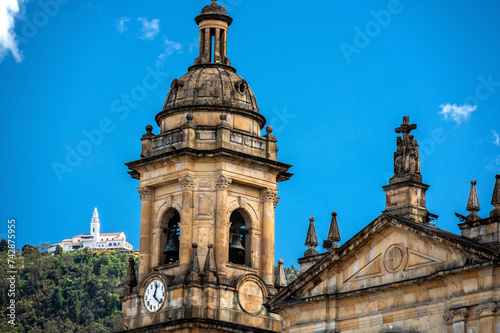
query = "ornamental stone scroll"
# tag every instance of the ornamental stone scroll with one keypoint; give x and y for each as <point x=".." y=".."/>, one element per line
<point x="187" y="183"/>
<point x="146" y="193"/>
<point x="270" y="195"/>
<point x="453" y="315"/>
<point x="222" y="182"/>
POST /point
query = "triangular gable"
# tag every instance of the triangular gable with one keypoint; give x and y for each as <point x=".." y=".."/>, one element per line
<point x="388" y="250"/>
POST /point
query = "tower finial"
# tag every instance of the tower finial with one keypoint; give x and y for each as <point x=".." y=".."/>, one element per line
<point x="214" y="1"/>
<point x="194" y="266"/>
<point x="280" y="281"/>
<point x="495" y="198"/>
<point x="333" y="234"/>
<point x="210" y="266"/>
<point x="311" y="239"/>
<point x="130" y="279"/>
<point x="473" y="203"/>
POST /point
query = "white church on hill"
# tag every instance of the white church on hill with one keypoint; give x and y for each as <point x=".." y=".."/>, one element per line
<point x="115" y="241"/>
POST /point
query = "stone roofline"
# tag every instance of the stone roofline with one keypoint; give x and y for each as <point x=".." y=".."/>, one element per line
<point x="392" y="285"/>
<point x="432" y="233"/>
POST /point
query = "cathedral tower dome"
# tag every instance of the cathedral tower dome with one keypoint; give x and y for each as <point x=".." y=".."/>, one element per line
<point x="208" y="86"/>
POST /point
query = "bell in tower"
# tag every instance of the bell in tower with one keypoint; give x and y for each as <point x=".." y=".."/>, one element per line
<point x="172" y="248"/>
<point x="208" y="188"/>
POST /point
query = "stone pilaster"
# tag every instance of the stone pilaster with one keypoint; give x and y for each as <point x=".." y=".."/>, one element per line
<point x="186" y="224"/>
<point x="486" y="313"/>
<point x="221" y="226"/>
<point x="269" y="199"/>
<point x="457" y="319"/>
<point x="147" y="195"/>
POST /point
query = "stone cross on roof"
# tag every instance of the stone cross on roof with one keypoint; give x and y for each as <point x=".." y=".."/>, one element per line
<point x="406" y="128"/>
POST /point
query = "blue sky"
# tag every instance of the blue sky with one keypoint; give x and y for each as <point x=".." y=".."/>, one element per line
<point x="334" y="78"/>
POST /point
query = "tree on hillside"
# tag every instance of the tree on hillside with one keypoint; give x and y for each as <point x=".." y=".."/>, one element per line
<point x="58" y="250"/>
<point x="4" y="245"/>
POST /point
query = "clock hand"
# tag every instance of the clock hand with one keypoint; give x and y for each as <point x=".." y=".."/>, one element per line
<point x="154" y="295"/>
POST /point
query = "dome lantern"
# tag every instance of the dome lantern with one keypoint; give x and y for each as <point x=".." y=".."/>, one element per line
<point x="214" y="23"/>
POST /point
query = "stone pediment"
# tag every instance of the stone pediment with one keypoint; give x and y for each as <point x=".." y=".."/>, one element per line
<point x="389" y="251"/>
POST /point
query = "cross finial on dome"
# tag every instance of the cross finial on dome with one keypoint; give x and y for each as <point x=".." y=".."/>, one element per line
<point x="214" y="1"/>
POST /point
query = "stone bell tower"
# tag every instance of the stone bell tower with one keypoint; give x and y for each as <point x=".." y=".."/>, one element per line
<point x="208" y="186"/>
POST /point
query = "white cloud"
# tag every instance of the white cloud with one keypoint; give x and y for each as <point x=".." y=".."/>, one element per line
<point x="150" y="29"/>
<point x="459" y="113"/>
<point x="194" y="45"/>
<point x="495" y="164"/>
<point x="169" y="48"/>
<point x="496" y="142"/>
<point x="120" y="24"/>
<point x="9" y="12"/>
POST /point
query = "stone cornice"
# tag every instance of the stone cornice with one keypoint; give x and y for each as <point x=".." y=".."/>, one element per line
<point x="279" y="166"/>
<point x="220" y="109"/>
<point x="332" y="296"/>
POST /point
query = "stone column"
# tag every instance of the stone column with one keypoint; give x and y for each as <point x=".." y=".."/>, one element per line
<point x="221" y="226"/>
<point x="217" y="55"/>
<point x="208" y="46"/>
<point x="225" y="60"/>
<point x="269" y="199"/>
<point x="145" y="244"/>
<point x="186" y="224"/>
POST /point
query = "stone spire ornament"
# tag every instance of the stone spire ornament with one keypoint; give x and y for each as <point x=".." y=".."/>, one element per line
<point x="280" y="281"/>
<point x="333" y="235"/>
<point x="406" y="194"/>
<point x="495" y="199"/>
<point x="407" y="155"/>
<point x="194" y="266"/>
<point x="130" y="279"/>
<point x="311" y="239"/>
<point x="473" y="203"/>
<point x="210" y="267"/>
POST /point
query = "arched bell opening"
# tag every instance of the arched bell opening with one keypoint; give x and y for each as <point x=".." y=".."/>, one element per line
<point x="169" y="240"/>
<point x="240" y="243"/>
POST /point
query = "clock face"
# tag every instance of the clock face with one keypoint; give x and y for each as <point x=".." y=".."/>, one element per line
<point x="154" y="296"/>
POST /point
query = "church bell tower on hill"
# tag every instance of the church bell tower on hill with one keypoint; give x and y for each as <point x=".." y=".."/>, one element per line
<point x="208" y="187"/>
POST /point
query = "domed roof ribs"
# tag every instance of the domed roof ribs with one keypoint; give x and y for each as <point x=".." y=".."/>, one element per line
<point x="221" y="86"/>
<point x="197" y="85"/>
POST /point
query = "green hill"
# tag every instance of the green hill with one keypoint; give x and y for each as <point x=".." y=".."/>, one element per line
<point x="66" y="292"/>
